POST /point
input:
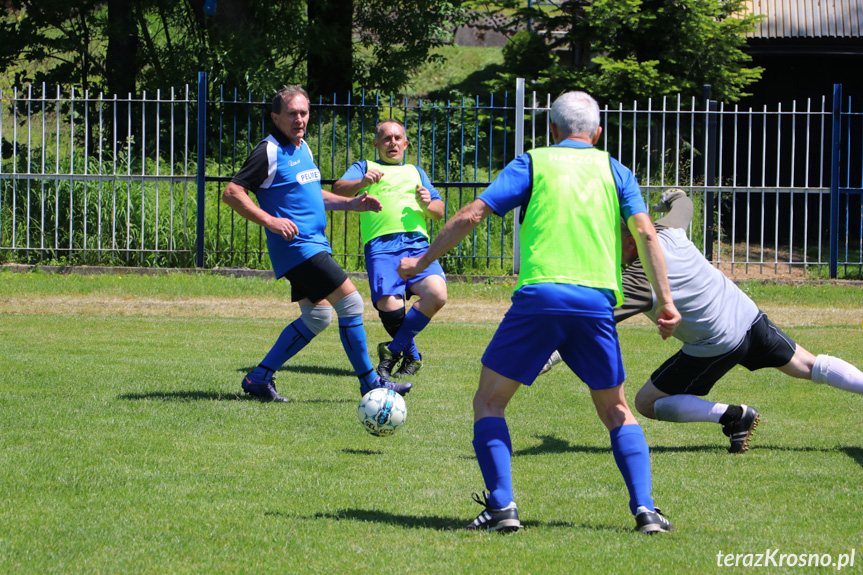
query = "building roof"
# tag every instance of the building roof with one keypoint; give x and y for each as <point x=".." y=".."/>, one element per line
<point x="808" y="18"/>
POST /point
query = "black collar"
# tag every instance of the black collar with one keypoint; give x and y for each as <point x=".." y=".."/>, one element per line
<point x="280" y="136"/>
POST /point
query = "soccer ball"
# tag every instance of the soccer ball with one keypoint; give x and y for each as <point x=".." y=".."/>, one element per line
<point x="382" y="411"/>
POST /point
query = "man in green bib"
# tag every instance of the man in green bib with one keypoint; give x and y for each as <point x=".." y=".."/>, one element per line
<point x="399" y="230"/>
<point x="573" y="196"/>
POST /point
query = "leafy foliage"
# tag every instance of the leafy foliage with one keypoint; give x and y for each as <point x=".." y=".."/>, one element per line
<point x="396" y="38"/>
<point x="630" y="50"/>
<point x="123" y="46"/>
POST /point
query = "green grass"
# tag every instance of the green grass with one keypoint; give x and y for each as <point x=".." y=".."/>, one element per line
<point x="465" y="70"/>
<point x="127" y="449"/>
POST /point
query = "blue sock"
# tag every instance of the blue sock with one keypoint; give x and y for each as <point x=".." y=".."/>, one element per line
<point x="413" y="351"/>
<point x="414" y="323"/>
<point x="633" y="459"/>
<point x="292" y="339"/>
<point x="493" y="449"/>
<point x="353" y="336"/>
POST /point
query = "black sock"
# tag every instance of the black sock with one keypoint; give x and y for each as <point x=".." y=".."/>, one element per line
<point x="392" y="320"/>
<point x="732" y="414"/>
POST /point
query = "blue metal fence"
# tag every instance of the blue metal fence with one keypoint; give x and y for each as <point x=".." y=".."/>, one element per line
<point x="86" y="179"/>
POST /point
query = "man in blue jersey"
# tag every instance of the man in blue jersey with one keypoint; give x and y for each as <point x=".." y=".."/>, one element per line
<point x="399" y="230"/>
<point x="573" y="197"/>
<point x="292" y="208"/>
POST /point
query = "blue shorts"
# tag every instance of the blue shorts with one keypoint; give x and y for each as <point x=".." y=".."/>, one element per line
<point x="384" y="277"/>
<point x="588" y="345"/>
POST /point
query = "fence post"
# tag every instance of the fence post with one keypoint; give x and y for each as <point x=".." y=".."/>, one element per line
<point x="202" y="153"/>
<point x="519" y="150"/>
<point x="710" y="176"/>
<point x="834" y="181"/>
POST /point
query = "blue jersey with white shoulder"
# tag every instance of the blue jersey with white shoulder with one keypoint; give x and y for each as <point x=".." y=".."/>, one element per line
<point x="287" y="184"/>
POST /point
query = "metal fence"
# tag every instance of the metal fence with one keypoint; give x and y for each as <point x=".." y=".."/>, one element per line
<point x="86" y="179"/>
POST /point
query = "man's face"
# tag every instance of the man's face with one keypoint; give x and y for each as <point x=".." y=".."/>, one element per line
<point x="293" y="118"/>
<point x="628" y="251"/>
<point x="391" y="142"/>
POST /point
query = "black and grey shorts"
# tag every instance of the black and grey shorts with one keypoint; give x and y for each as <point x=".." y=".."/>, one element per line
<point x="764" y="345"/>
<point x="315" y="278"/>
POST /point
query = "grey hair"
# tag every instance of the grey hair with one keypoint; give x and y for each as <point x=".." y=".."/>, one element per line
<point x="286" y="94"/>
<point x="575" y="114"/>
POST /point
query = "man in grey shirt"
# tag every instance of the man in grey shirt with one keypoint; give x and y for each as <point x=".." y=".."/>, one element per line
<point x="720" y="328"/>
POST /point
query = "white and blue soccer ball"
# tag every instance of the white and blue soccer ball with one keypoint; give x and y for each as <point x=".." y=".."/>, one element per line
<point x="382" y="411"/>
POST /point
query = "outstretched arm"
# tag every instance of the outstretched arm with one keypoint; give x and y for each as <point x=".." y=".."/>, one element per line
<point x="349" y="188"/>
<point x="679" y="210"/>
<point x="361" y="203"/>
<point x="650" y="254"/>
<point x="449" y="236"/>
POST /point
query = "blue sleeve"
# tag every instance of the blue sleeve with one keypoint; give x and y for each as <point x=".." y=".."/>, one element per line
<point x="510" y="188"/>
<point x="426" y="182"/>
<point x="356" y="172"/>
<point x="628" y="191"/>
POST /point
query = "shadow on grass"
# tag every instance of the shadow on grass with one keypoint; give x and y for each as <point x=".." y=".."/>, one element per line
<point x="552" y="444"/>
<point x="306" y="370"/>
<point x="214" y="396"/>
<point x="374" y="452"/>
<point x="433" y="522"/>
<point x="855" y="453"/>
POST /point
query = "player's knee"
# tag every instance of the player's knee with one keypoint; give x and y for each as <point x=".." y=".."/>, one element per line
<point x="436" y="301"/>
<point x="644" y="406"/>
<point x="487" y="405"/>
<point x="316" y="317"/>
<point x="644" y="403"/>
<point x="349" y="306"/>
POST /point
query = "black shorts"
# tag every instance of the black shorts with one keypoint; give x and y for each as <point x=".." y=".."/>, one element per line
<point x="764" y="345"/>
<point x="315" y="278"/>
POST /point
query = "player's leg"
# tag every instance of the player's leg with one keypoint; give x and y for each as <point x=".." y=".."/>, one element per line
<point x="391" y="310"/>
<point x="432" y="293"/>
<point x="349" y="307"/>
<point x="388" y="294"/>
<point x="308" y="281"/>
<point x="430" y="287"/>
<point x="632" y="457"/>
<point x="673" y="393"/>
<point x="592" y="351"/>
<point x="827" y="369"/>
<point x="493" y="447"/>
<point x="512" y="358"/>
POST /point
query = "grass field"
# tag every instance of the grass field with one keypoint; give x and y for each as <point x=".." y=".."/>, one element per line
<point x="125" y="446"/>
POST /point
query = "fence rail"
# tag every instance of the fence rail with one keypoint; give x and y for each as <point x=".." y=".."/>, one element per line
<point x="86" y="179"/>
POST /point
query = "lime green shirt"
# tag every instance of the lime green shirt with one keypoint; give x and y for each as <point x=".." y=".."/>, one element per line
<point x="400" y="210"/>
<point x="571" y="228"/>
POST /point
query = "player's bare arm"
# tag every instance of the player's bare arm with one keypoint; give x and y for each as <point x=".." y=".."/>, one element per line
<point x="238" y="198"/>
<point x="349" y="188"/>
<point x="650" y="253"/>
<point x="432" y="208"/>
<point x="361" y="203"/>
<point x="449" y="236"/>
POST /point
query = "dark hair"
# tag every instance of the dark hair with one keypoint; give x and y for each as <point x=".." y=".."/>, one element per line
<point x="288" y="93"/>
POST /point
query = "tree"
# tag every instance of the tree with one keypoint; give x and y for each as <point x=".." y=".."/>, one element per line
<point x="395" y="37"/>
<point x="126" y="46"/>
<point x="626" y="50"/>
<point x="330" y="44"/>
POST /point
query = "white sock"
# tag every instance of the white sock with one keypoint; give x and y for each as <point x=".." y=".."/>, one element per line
<point x="687" y="408"/>
<point x="837" y="373"/>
